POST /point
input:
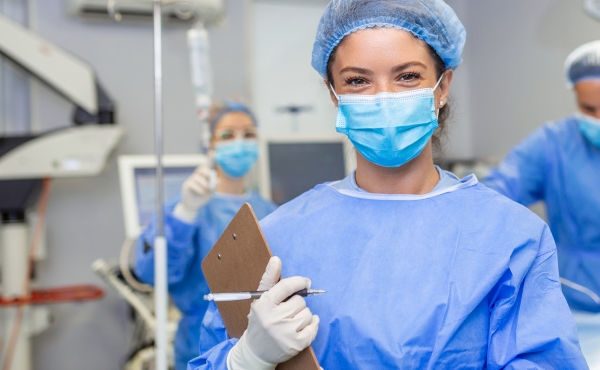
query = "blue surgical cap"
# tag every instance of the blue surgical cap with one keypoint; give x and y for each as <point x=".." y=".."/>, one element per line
<point x="433" y="21"/>
<point x="583" y="63"/>
<point x="231" y="106"/>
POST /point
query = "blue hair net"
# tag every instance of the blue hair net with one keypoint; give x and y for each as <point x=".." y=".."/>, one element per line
<point x="433" y="21"/>
<point x="583" y="63"/>
<point x="231" y="106"/>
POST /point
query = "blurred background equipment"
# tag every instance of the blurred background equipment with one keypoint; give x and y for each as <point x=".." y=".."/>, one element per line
<point x="199" y="47"/>
<point x="294" y="164"/>
<point x="174" y="11"/>
<point x="137" y="174"/>
<point x="25" y="160"/>
<point x="592" y="7"/>
<point x="294" y="111"/>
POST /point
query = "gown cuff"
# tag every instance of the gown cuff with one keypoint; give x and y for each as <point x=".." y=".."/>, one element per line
<point x="179" y="231"/>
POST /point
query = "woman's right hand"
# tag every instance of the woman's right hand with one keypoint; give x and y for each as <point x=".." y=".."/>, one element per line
<point x="277" y="330"/>
<point x="195" y="193"/>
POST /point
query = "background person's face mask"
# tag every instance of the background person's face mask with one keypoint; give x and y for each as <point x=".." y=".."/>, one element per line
<point x="236" y="157"/>
<point x="589" y="127"/>
<point x="388" y="129"/>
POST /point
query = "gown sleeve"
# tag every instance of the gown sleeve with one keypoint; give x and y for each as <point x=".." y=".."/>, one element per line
<point x="215" y="343"/>
<point x="520" y="176"/>
<point x="531" y="326"/>
<point x="180" y="249"/>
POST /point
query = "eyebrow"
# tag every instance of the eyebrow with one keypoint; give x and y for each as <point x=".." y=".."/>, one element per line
<point x="404" y="66"/>
<point x="398" y="68"/>
<point x="362" y="71"/>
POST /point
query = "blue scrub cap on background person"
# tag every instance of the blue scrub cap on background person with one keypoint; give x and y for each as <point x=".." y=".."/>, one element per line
<point x="583" y="63"/>
<point x="230" y="106"/>
<point x="432" y="21"/>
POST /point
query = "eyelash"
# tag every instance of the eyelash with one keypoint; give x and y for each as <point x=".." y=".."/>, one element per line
<point x="352" y="80"/>
<point x="413" y="76"/>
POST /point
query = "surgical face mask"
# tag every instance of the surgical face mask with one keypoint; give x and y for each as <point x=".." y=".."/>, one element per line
<point x="388" y="129"/>
<point x="236" y="157"/>
<point x="590" y="128"/>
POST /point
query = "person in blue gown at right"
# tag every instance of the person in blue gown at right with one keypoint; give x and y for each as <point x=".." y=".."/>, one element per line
<point x="195" y="220"/>
<point x="559" y="164"/>
<point x="422" y="270"/>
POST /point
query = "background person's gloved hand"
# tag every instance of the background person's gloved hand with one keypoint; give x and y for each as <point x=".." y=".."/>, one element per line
<point x="195" y="193"/>
<point x="277" y="330"/>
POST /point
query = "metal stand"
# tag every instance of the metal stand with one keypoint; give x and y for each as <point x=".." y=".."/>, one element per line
<point x="160" y="245"/>
<point x="15" y="259"/>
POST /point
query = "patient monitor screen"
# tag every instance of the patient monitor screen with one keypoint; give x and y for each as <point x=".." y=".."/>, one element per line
<point x="297" y="167"/>
<point x="145" y="188"/>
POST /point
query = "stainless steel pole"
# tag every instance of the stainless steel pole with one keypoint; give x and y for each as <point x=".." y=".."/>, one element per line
<point x="160" y="245"/>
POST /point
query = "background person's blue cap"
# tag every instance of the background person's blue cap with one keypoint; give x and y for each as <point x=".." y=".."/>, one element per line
<point x="229" y="106"/>
<point x="583" y="64"/>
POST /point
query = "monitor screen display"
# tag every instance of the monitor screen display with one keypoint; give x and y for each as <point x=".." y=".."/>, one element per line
<point x="146" y="189"/>
<point x="297" y="167"/>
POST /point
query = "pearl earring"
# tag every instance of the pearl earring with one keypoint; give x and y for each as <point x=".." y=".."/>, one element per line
<point x="441" y="103"/>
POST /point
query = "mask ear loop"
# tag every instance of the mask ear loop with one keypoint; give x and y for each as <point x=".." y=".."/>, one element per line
<point x="333" y="91"/>
<point x="437" y="111"/>
<point x="438" y="82"/>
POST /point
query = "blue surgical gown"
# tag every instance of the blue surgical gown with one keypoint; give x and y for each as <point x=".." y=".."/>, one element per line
<point x="187" y="245"/>
<point x="558" y="165"/>
<point x="458" y="278"/>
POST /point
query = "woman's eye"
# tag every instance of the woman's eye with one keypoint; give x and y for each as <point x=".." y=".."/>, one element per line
<point x="356" y="81"/>
<point x="409" y="77"/>
<point x="226" y="136"/>
<point x="249" y="135"/>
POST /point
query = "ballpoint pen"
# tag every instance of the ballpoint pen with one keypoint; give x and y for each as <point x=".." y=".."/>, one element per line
<point x="242" y="296"/>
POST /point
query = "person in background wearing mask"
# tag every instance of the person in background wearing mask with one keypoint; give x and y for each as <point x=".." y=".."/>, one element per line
<point x="194" y="222"/>
<point x="560" y="164"/>
<point x="422" y="270"/>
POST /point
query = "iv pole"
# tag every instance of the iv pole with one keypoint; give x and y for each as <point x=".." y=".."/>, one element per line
<point x="160" y="244"/>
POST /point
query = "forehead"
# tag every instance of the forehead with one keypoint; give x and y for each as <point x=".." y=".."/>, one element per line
<point x="382" y="45"/>
<point x="234" y="120"/>
<point x="588" y="91"/>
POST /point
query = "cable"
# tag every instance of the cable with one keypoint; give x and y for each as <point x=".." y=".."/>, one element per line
<point x="103" y="269"/>
<point x="124" y="266"/>
<point x="581" y="289"/>
<point x="37" y="237"/>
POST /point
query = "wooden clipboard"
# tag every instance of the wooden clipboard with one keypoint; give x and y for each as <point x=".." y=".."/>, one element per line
<point x="236" y="263"/>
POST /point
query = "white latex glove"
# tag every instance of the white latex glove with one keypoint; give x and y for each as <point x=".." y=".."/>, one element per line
<point x="195" y="193"/>
<point x="277" y="330"/>
<point x="271" y="275"/>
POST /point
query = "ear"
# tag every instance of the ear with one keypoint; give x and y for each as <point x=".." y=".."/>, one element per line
<point x="445" y="88"/>
<point x="331" y="93"/>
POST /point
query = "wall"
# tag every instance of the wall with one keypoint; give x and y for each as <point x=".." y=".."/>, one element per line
<point x="84" y="215"/>
<point x="283" y="35"/>
<point x="516" y="51"/>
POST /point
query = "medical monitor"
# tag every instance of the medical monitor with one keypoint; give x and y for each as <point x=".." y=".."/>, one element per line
<point x="292" y="165"/>
<point x="137" y="175"/>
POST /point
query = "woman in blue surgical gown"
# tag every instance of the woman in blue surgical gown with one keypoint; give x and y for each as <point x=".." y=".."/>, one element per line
<point x="560" y="164"/>
<point x="422" y="270"/>
<point x="194" y="222"/>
